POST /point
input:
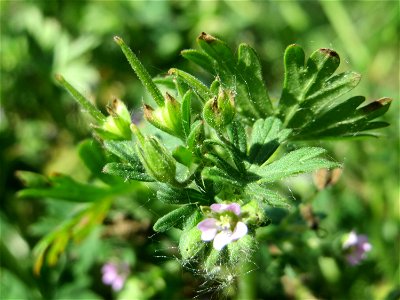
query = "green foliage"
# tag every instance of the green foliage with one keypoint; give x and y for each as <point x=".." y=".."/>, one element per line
<point x="248" y="159"/>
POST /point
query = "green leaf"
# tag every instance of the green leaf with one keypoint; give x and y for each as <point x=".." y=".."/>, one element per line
<point x="345" y="120"/>
<point x="262" y="193"/>
<point x="195" y="138"/>
<point x="266" y="137"/>
<point x="124" y="150"/>
<point x="183" y="155"/>
<point x="31" y="179"/>
<point x="217" y="49"/>
<point x="175" y="218"/>
<point x="65" y="188"/>
<point x="250" y="75"/>
<point x="141" y="72"/>
<point x="199" y="58"/>
<point x="93" y="156"/>
<point x="126" y="171"/>
<point x="299" y="161"/>
<point x="219" y="176"/>
<point x="171" y="195"/>
<point x="311" y="84"/>
<point x="198" y="87"/>
<point x="237" y="136"/>
<point x="85" y="103"/>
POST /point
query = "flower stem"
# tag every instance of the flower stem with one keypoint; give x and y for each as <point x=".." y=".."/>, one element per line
<point x="141" y="72"/>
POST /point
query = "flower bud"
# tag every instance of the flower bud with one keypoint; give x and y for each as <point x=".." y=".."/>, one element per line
<point x="157" y="161"/>
<point x="168" y="118"/>
<point x="116" y="125"/>
<point x="219" y="111"/>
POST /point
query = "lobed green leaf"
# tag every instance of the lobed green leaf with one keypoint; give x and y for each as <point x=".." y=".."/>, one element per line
<point x="299" y="161"/>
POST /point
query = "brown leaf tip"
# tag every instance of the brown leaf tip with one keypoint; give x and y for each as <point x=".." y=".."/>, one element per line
<point x="329" y="52"/>
<point x="206" y="37"/>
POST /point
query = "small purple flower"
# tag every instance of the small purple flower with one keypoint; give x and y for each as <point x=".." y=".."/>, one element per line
<point x="115" y="274"/>
<point x="356" y="246"/>
<point x="224" y="227"/>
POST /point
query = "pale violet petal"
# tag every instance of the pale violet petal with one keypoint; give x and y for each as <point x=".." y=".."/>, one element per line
<point x="207" y="224"/>
<point x="366" y="247"/>
<point x="351" y="240"/>
<point x="208" y="235"/>
<point x="109" y="277"/>
<point x="240" y="231"/>
<point x="118" y="283"/>
<point x="234" y="207"/>
<point x="218" y="207"/>
<point x="222" y="239"/>
<point x="208" y="228"/>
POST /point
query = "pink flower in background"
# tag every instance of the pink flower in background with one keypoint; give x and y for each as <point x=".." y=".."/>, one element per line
<point x="225" y="226"/>
<point x="115" y="274"/>
<point x="355" y="247"/>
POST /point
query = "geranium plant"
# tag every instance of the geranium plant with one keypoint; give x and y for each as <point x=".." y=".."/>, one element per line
<point x="219" y="155"/>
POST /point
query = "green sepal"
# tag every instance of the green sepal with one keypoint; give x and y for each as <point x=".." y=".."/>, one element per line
<point x="190" y="244"/>
<point x="219" y="111"/>
<point x="196" y="138"/>
<point x="118" y="121"/>
<point x="167" y="118"/>
<point x="240" y="251"/>
<point x="156" y="159"/>
<point x="175" y="218"/>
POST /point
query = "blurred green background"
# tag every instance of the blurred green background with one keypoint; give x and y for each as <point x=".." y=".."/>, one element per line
<point x="40" y="126"/>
